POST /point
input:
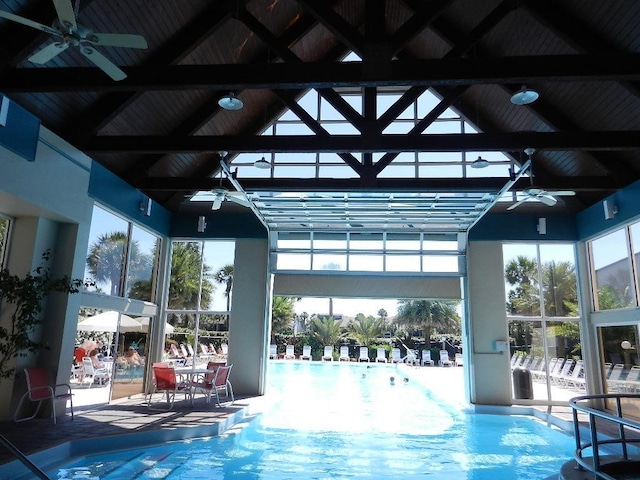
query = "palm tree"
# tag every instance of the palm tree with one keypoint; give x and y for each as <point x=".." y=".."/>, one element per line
<point x="281" y="314"/>
<point x="560" y="289"/>
<point x="429" y="315"/>
<point x="224" y="276"/>
<point x="186" y="262"/>
<point x="382" y="313"/>
<point x="366" y="329"/>
<point x="325" y="330"/>
<point x="524" y="298"/>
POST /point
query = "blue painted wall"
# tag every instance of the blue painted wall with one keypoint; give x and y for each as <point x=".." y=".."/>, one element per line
<point x="524" y="227"/>
<point x="21" y="131"/>
<point x="115" y="193"/>
<point x="219" y="226"/>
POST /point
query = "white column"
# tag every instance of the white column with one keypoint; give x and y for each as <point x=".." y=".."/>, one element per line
<point x="250" y="317"/>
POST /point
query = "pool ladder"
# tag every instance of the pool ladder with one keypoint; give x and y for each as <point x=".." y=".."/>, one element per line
<point x="611" y="466"/>
<point x="23" y="458"/>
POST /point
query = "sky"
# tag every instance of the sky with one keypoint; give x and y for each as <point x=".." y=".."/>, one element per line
<point x="347" y="307"/>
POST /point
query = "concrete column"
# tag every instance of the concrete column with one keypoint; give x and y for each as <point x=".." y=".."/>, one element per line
<point x="250" y="320"/>
<point x="489" y="369"/>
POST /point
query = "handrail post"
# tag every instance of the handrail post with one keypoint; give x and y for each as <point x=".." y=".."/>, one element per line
<point x="23" y="458"/>
<point x="621" y="432"/>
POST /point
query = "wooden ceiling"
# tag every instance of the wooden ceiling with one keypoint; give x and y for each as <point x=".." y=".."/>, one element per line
<point x="161" y="128"/>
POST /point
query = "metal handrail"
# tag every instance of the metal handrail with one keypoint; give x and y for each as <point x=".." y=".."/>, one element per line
<point x="23" y="459"/>
<point x="595" y="443"/>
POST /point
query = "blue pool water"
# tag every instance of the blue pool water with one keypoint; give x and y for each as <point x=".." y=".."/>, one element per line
<point x="339" y="421"/>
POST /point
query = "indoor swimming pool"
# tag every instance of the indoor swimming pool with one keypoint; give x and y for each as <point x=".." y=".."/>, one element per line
<point x="348" y="421"/>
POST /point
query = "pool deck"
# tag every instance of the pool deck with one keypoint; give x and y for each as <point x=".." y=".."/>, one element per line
<point x="95" y="423"/>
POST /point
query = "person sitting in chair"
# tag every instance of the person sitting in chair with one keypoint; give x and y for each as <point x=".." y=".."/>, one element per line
<point x="94" y="359"/>
<point x="133" y="359"/>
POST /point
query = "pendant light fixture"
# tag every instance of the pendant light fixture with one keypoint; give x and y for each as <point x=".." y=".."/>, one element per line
<point x="480" y="163"/>
<point x="230" y="102"/>
<point x="263" y="163"/>
<point x="524" y="96"/>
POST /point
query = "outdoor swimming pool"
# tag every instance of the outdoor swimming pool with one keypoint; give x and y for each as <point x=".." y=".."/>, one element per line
<point x="347" y="421"/>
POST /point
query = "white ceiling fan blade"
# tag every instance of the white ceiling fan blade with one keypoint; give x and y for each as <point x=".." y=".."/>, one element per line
<point x="48" y="52"/>
<point x="518" y="203"/>
<point x="118" y="40"/>
<point x="547" y="200"/>
<point x="217" y="202"/>
<point x="27" y="22"/>
<point x="66" y="14"/>
<point x="102" y="62"/>
<point x="563" y="193"/>
<point x="239" y="198"/>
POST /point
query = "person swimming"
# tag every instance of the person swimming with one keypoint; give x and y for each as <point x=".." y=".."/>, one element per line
<point x="392" y="380"/>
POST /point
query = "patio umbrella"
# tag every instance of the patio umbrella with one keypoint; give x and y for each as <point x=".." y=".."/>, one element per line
<point x="108" y="322"/>
<point x="144" y="321"/>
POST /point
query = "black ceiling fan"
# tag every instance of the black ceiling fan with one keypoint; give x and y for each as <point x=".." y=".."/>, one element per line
<point x="538" y="194"/>
<point x="69" y="33"/>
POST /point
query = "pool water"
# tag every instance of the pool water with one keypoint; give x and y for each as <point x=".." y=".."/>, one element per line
<point x="345" y="421"/>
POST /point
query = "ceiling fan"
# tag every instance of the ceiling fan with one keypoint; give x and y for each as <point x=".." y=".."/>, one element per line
<point x="221" y="194"/>
<point x="69" y="33"/>
<point x="537" y="194"/>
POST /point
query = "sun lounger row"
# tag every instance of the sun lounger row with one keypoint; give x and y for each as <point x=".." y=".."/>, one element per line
<point x="562" y="372"/>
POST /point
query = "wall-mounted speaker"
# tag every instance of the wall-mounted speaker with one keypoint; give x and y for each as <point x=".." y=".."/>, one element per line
<point x="4" y="111"/>
<point x="542" y="226"/>
<point x="610" y="209"/>
<point x="202" y="224"/>
<point x="145" y="206"/>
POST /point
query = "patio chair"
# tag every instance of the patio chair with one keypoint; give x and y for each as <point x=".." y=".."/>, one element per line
<point x="445" y="361"/>
<point x="100" y="376"/>
<point x="631" y="384"/>
<point x="458" y="360"/>
<point x="225" y="349"/>
<point x="576" y="379"/>
<point x="364" y="354"/>
<point x="273" y="352"/>
<point x="290" y="353"/>
<point x="167" y="383"/>
<point x="216" y="382"/>
<point x="344" y="354"/>
<point x="395" y="355"/>
<point x="381" y="355"/>
<point x="40" y="390"/>
<point x="327" y="355"/>
<point x="558" y="377"/>
<point x="426" y="358"/>
<point x="306" y="353"/>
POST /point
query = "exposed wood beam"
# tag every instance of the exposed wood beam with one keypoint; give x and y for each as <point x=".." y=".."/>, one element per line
<point x="578" y="184"/>
<point x="585" y="140"/>
<point x="431" y="72"/>
<point x="420" y="20"/>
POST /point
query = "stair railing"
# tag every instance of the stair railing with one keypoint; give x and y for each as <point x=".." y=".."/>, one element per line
<point x="23" y="458"/>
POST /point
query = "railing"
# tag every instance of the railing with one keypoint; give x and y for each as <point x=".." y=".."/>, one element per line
<point x="22" y="458"/>
<point x="622" y="441"/>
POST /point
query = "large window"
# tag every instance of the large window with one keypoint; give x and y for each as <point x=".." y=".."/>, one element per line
<point x="121" y="259"/>
<point x="543" y="315"/>
<point x="5" y="224"/>
<point x="613" y="263"/>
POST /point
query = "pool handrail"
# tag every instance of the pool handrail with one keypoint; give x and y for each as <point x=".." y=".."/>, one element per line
<point x="23" y="458"/>
<point x="595" y="443"/>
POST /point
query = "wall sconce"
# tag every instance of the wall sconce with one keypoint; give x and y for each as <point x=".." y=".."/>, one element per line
<point x="202" y="224"/>
<point x="542" y="226"/>
<point x="145" y="206"/>
<point x="610" y="209"/>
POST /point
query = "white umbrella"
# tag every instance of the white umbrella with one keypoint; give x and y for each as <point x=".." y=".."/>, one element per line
<point x="108" y="322"/>
<point x="144" y="321"/>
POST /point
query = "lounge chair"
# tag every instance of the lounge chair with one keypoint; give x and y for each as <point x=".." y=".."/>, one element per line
<point x="558" y="377"/>
<point x="426" y="358"/>
<point x="411" y="358"/>
<point x="290" y="354"/>
<point x="381" y="355"/>
<point x="306" y="353"/>
<point x="458" y="360"/>
<point x="576" y="379"/>
<point x="344" y="354"/>
<point x="40" y="390"/>
<point x="327" y="355"/>
<point x="225" y="349"/>
<point x="100" y="376"/>
<point x="631" y="384"/>
<point x="216" y="382"/>
<point x="166" y="382"/>
<point x="445" y="361"/>
<point x="273" y="352"/>
<point x="364" y="354"/>
<point x="395" y="355"/>
<point x="614" y="381"/>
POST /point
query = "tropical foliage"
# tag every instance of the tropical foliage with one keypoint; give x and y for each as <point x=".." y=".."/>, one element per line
<point x="429" y="316"/>
<point x="282" y="314"/>
<point x="366" y="329"/>
<point x="186" y="263"/>
<point x="325" y="330"/>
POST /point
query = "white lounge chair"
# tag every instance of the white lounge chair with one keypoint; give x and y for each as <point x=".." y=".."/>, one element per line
<point x="381" y="355"/>
<point x="327" y="355"/>
<point x="273" y="352"/>
<point x="458" y="361"/>
<point x="445" y="361"/>
<point x="290" y="354"/>
<point x="426" y="358"/>
<point x="364" y="354"/>
<point x="395" y="355"/>
<point x="344" y="354"/>
<point x="306" y="353"/>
